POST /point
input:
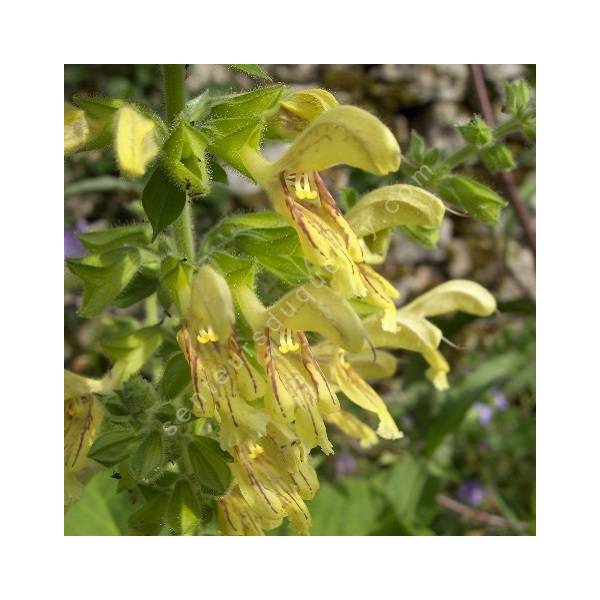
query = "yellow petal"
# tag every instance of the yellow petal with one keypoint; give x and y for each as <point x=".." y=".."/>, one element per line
<point x="363" y="395"/>
<point x="342" y="135"/>
<point x="416" y="334"/>
<point x="459" y="294"/>
<point x="77" y="129"/>
<point x="235" y="517"/>
<point x="370" y="364"/>
<point x="380" y="293"/>
<point x="353" y="427"/>
<point x="212" y="303"/>
<point x="135" y="141"/>
<point x="314" y="307"/>
<point x="392" y="206"/>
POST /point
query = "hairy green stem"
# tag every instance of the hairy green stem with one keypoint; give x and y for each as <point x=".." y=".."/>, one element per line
<point x="174" y="96"/>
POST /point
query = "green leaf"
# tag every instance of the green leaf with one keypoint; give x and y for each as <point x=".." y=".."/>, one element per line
<point x="162" y="199"/>
<point x="403" y="488"/>
<point x="100" y="511"/>
<point x="133" y="349"/>
<point x="416" y="148"/>
<point x="197" y="107"/>
<point x="252" y="70"/>
<point x="151" y="518"/>
<point x="278" y="251"/>
<point x="347" y="508"/>
<point x="116" y="237"/>
<point x="176" y="376"/>
<point x="185" y="512"/>
<point x="102" y="183"/>
<point x="104" y="276"/>
<point x="144" y="284"/>
<point x="209" y="467"/>
<point x="148" y="458"/>
<point x="112" y="447"/>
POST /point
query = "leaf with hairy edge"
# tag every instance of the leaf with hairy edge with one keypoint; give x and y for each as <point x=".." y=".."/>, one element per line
<point x="163" y="200"/>
<point x="252" y="70"/>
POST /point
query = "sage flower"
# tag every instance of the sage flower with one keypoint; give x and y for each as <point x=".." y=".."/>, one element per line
<point x="340" y="135"/>
<point x="83" y="418"/>
<point x="415" y="333"/>
<point x="223" y="378"/>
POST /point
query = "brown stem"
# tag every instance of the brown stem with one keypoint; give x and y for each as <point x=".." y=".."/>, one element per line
<point x="479" y="516"/>
<point x="507" y="178"/>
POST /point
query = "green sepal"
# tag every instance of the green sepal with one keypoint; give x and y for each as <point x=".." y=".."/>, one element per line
<point x="517" y="96"/>
<point x="184" y="155"/>
<point x="104" y="276"/>
<point x="229" y="135"/>
<point x="476" y="132"/>
<point x="497" y="157"/>
<point x="176" y="281"/>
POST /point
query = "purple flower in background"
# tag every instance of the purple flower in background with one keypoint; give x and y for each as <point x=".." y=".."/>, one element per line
<point x="344" y="464"/>
<point x="485" y="412"/>
<point x="73" y="247"/>
<point x="471" y="492"/>
<point x="500" y="399"/>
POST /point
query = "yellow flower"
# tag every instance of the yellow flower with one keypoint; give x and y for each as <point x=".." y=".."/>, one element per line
<point x="415" y="333"/>
<point x="236" y="517"/>
<point x="83" y="417"/>
<point x="271" y="492"/>
<point x="136" y="141"/>
<point x="347" y="379"/>
<point x="224" y="380"/>
<point x="340" y="135"/>
<point x="298" y="393"/>
<point x="77" y="128"/>
<point x="353" y="427"/>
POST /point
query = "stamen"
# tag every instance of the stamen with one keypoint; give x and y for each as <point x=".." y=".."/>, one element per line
<point x="304" y="186"/>
<point x="286" y="342"/>
<point x="311" y="194"/>
<point x="255" y="451"/>
<point x="207" y="335"/>
<point x="342" y="359"/>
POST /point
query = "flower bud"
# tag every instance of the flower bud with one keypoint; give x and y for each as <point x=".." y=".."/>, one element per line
<point x="471" y="197"/>
<point x="476" y="132"/>
<point x="136" y="142"/>
<point x="297" y="111"/>
<point x="498" y="158"/>
<point x="517" y="96"/>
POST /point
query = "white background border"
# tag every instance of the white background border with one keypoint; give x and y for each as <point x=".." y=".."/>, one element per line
<point x="37" y="40"/>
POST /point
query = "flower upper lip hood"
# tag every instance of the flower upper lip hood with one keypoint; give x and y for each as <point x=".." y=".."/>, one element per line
<point x="342" y="135"/>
